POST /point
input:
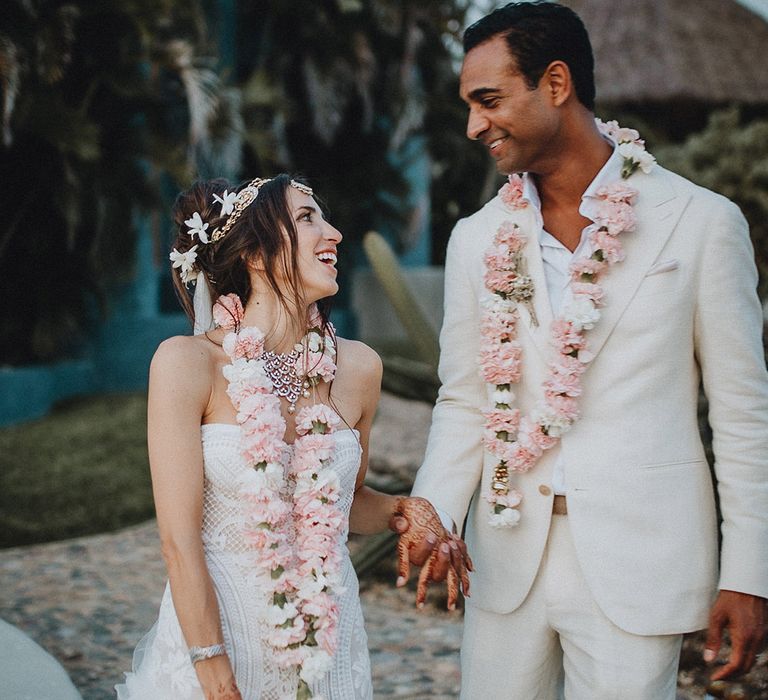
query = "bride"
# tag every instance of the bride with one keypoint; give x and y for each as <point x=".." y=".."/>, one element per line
<point x="258" y="444"/>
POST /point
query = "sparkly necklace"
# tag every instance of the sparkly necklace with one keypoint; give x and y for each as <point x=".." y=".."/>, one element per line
<point x="286" y="382"/>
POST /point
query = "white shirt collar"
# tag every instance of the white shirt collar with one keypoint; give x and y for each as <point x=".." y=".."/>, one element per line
<point x="607" y="175"/>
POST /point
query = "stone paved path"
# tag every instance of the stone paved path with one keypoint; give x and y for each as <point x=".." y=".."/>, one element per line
<point x="88" y="601"/>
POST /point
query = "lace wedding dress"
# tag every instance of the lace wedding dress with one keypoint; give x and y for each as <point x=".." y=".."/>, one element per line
<point x="161" y="666"/>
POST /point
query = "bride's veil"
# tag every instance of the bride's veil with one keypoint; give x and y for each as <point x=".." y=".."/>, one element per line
<point x="203" y="306"/>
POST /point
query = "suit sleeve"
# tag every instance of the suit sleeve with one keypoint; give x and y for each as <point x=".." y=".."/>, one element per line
<point x="454" y="457"/>
<point x="728" y="332"/>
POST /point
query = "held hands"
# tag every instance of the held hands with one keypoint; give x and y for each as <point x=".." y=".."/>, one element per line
<point x="425" y="542"/>
<point x="747" y="622"/>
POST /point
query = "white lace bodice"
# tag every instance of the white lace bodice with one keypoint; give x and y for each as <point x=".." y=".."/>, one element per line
<point x="161" y="666"/>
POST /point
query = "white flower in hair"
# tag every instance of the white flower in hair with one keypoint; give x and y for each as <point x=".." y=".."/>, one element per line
<point x="186" y="261"/>
<point x="197" y="226"/>
<point x="227" y="201"/>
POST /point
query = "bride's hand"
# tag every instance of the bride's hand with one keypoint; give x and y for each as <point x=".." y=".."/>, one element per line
<point x="425" y="542"/>
<point x="217" y="679"/>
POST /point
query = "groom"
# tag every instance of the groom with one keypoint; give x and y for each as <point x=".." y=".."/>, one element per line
<point x="570" y="450"/>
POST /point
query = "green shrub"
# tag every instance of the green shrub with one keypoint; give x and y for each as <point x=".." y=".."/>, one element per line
<point x="81" y="470"/>
<point x="730" y="158"/>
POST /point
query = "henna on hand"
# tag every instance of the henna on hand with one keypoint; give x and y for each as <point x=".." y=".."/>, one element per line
<point x="424" y="522"/>
<point x="226" y="691"/>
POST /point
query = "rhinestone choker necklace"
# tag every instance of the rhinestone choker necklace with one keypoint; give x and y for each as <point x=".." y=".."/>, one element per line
<point x="281" y="369"/>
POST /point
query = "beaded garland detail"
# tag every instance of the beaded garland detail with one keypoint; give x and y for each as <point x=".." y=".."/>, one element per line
<point x="518" y="441"/>
<point x="291" y="517"/>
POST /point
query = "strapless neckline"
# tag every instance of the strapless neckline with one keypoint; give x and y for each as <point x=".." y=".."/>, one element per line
<point x="234" y="427"/>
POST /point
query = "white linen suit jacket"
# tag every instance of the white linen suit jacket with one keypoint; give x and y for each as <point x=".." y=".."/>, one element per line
<point x="680" y="308"/>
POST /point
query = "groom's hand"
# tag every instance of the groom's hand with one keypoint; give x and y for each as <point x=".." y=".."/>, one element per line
<point x="426" y="543"/>
<point x="745" y="618"/>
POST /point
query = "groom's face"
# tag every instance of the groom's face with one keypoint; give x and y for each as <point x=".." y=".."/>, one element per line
<point x="517" y="124"/>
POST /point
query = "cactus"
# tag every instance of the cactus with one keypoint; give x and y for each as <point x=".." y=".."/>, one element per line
<point x="387" y="270"/>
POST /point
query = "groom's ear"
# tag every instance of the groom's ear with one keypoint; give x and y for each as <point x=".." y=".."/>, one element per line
<point x="557" y="83"/>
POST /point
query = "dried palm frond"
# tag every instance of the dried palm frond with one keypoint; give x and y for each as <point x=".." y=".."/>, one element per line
<point x="10" y="77"/>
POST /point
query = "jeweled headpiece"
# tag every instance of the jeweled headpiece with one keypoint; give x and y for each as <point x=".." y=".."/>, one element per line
<point x="232" y="206"/>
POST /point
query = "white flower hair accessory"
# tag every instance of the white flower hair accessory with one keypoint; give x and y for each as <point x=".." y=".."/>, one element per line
<point x="185" y="261"/>
<point x="227" y="201"/>
<point x="197" y="227"/>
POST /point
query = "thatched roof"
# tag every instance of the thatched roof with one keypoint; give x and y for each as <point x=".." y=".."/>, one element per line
<point x="712" y="51"/>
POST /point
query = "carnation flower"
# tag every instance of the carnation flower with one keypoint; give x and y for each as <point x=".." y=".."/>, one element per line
<point x="581" y="313"/>
<point x="636" y="156"/>
<point x="228" y="311"/>
<point x="511" y="192"/>
<point x="315" y="666"/>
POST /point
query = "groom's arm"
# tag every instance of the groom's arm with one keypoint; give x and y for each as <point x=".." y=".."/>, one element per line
<point x="729" y="322"/>
<point x="453" y="462"/>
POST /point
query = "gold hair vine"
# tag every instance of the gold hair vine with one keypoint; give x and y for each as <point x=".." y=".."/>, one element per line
<point x="247" y="196"/>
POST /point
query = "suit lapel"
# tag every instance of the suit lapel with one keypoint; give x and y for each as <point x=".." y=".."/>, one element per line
<point x="658" y="209"/>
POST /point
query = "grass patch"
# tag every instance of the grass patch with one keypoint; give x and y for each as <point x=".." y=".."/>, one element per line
<point x="81" y="470"/>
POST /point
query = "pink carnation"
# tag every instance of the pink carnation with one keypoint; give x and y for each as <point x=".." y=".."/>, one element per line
<point x="509" y="234"/>
<point x="511" y="192"/>
<point x="568" y="384"/>
<point x="616" y="217"/>
<point x="501" y="364"/>
<point x="248" y="343"/>
<point x="500" y="280"/>
<point x="316" y="414"/>
<point x="565" y="337"/>
<point x="228" y="311"/>
<point x="618" y="192"/>
<point x="566" y="407"/>
<point x="585" y="266"/>
<point x="588" y="290"/>
<point x="609" y="245"/>
<point x="319" y="364"/>
<point x="499" y="420"/>
<point x="521" y="459"/>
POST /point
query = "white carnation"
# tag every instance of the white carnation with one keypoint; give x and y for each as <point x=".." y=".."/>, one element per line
<point x="497" y="304"/>
<point x="504" y="396"/>
<point x="555" y="424"/>
<point x="622" y="134"/>
<point x="315" y="666"/>
<point x="278" y="616"/>
<point x="582" y="313"/>
<point x="637" y="154"/>
<point x="509" y="517"/>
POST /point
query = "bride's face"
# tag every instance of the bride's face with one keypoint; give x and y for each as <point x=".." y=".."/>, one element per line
<point x="316" y="247"/>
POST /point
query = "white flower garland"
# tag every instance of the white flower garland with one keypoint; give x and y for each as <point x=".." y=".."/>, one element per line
<point x="292" y="521"/>
<point x="517" y="441"/>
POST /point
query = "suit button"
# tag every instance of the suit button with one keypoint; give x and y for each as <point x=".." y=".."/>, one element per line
<point x="544" y="490"/>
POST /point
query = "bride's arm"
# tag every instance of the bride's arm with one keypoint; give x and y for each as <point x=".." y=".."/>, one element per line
<point x="371" y="509"/>
<point x="179" y="391"/>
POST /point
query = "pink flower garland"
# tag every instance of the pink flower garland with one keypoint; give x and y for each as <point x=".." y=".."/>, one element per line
<point x="293" y="524"/>
<point x="516" y="441"/>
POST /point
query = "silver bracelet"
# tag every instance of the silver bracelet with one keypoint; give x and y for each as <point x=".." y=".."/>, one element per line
<point x="200" y="653"/>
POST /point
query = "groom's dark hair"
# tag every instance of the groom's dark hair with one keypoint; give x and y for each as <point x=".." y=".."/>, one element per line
<point x="538" y="33"/>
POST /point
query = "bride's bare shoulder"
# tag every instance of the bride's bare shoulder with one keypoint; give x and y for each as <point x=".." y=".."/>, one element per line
<point x="183" y="354"/>
<point x="356" y="358"/>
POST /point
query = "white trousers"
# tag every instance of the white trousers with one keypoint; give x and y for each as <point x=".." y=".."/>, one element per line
<point x="559" y="643"/>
